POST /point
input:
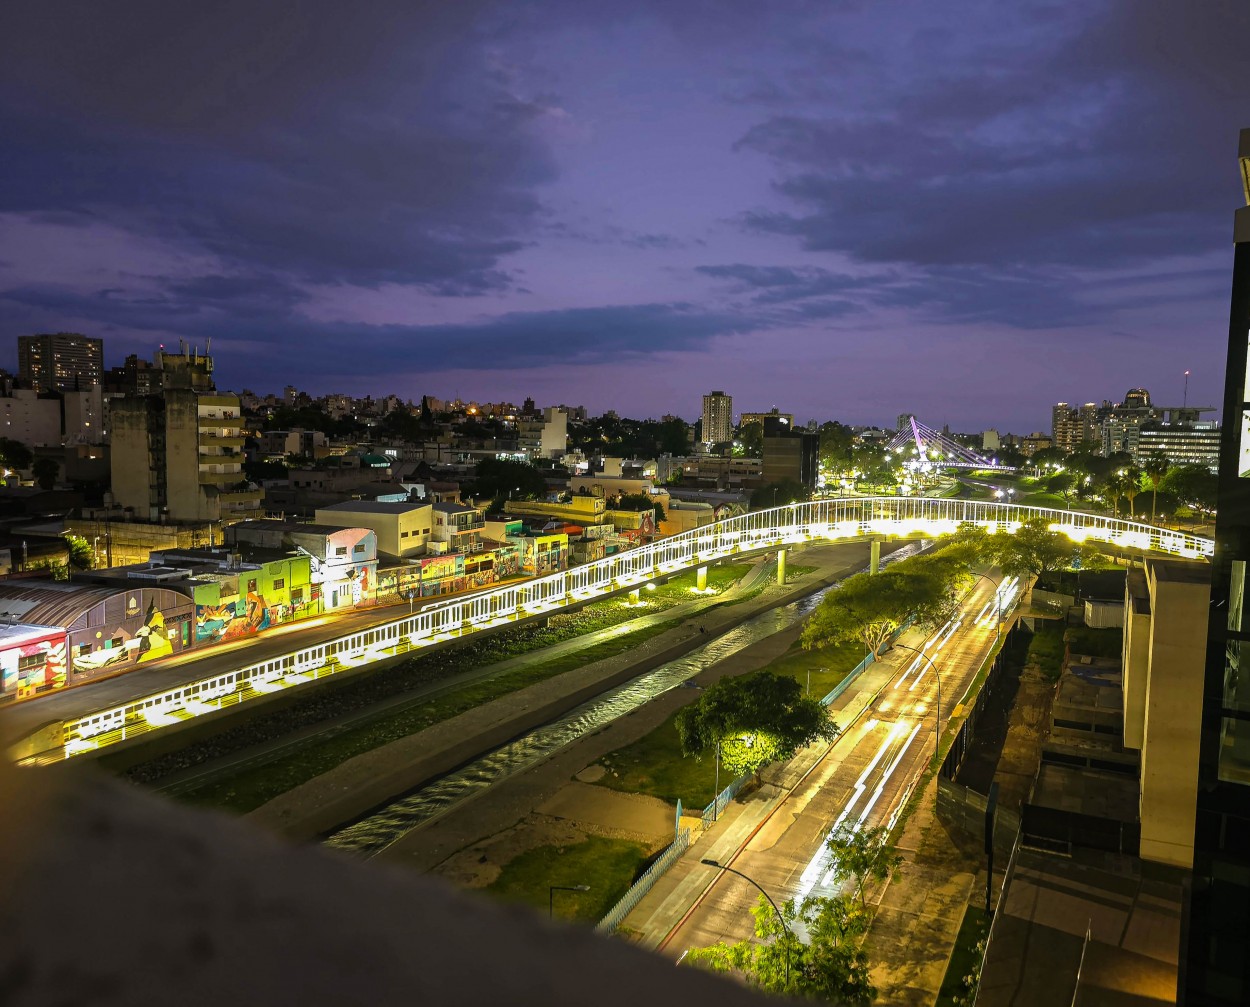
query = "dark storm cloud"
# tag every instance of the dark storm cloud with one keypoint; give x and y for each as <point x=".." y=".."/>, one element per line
<point x="366" y="145"/>
<point x="254" y="313"/>
<point x="1093" y="145"/>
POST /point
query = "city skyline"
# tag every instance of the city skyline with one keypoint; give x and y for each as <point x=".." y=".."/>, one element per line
<point x="806" y="208"/>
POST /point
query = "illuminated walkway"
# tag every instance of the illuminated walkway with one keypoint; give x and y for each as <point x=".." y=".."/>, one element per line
<point x="821" y="520"/>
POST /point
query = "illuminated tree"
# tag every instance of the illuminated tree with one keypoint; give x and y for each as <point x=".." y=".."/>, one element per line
<point x="754" y="720"/>
<point x="871" y="607"/>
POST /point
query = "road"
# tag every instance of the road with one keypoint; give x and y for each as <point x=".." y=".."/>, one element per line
<point x="864" y="781"/>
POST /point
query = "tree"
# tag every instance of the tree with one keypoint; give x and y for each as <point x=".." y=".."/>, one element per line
<point x="1131" y="485"/>
<point x="1194" y="485"/>
<point x="15" y="454"/>
<point x="640" y="501"/>
<point x="45" y="470"/>
<point x="1155" y="468"/>
<point x="863" y="855"/>
<point x="870" y="607"/>
<point x="753" y="720"/>
<point x="1034" y="550"/>
<point x="81" y="553"/>
<point x="1061" y="483"/>
<point x="831" y="966"/>
<point x="497" y="478"/>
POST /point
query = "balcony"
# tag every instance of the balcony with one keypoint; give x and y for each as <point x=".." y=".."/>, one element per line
<point x="209" y="438"/>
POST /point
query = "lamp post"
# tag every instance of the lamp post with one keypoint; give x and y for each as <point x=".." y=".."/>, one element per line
<point x="998" y="604"/>
<point x="780" y="919"/>
<point x="937" y="712"/>
<point x="551" y="895"/>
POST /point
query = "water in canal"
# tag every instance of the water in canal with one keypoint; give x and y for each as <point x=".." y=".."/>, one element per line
<point x="380" y="829"/>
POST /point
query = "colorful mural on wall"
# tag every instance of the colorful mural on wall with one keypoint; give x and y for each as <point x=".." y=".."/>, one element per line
<point x="150" y="641"/>
<point x="33" y="665"/>
<point x="153" y="637"/>
<point x="233" y="619"/>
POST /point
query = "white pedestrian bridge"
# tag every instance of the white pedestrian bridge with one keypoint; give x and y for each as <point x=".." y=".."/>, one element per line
<point x="819" y="521"/>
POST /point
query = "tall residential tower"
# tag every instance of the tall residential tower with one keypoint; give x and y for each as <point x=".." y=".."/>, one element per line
<point x="718" y="422"/>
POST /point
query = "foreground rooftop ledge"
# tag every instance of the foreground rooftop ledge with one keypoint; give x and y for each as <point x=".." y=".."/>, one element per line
<point x="175" y="906"/>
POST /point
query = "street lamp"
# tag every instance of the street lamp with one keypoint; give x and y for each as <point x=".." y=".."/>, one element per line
<point x="551" y="895"/>
<point x="781" y="919"/>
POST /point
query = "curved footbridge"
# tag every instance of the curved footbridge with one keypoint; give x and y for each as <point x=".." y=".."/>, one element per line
<point x="872" y="518"/>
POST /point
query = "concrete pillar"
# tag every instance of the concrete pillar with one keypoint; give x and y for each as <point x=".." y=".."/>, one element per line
<point x="635" y="596"/>
<point x="874" y="563"/>
<point x="781" y="566"/>
<point x="700" y="578"/>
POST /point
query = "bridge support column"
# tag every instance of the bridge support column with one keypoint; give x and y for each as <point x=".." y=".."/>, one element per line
<point x="700" y="578"/>
<point x="635" y="596"/>
<point x="874" y="562"/>
<point x="781" y="566"/>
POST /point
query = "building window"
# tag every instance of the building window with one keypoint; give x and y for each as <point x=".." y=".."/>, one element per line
<point x="297" y="595"/>
<point x="360" y="549"/>
<point x="404" y="534"/>
<point x="28" y="662"/>
<point x="279" y="583"/>
<point x="340" y="550"/>
<point x="1236" y="592"/>
<point x="251" y="586"/>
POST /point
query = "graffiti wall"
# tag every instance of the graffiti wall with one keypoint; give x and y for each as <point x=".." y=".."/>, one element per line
<point x="32" y="665"/>
<point x="236" y="617"/>
<point x="133" y="627"/>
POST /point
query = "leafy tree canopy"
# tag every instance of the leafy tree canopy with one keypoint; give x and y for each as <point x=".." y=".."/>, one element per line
<point x="863" y="856"/>
<point x="870" y="607"/>
<point x="1034" y="550"/>
<point x="755" y="720"/>
<point x="831" y="966"/>
<point x="496" y="478"/>
<point x="81" y="554"/>
<point x="639" y="501"/>
<point x="15" y="454"/>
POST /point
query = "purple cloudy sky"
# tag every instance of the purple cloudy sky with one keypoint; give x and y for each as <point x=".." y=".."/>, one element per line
<point x="848" y="209"/>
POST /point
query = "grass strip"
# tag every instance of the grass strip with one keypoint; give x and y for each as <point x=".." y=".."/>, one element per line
<point x="607" y="866"/>
<point x="654" y="764"/>
<point x="253" y="786"/>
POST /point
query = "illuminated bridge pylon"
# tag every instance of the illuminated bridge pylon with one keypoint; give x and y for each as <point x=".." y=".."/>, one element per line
<point x="834" y="520"/>
<point x="932" y="448"/>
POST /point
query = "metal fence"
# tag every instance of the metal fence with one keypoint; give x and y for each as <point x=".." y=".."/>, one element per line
<point x="644" y="884"/>
<point x="713" y="811"/>
<point x="819" y="520"/>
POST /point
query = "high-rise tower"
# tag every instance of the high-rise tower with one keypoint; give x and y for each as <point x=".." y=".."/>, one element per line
<point x="718" y="424"/>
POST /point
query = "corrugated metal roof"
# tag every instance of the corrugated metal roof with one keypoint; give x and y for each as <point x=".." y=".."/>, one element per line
<point x="51" y="603"/>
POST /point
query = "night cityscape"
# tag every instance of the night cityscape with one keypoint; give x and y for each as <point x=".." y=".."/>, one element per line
<point x="548" y="503"/>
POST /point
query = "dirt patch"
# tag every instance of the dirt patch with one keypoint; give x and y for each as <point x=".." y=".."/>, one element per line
<point x="591" y="774"/>
<point x="569" y="817"/>
<point x="612" y="812"/>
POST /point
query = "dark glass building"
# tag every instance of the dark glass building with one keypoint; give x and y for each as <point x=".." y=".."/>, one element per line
<point x="1215" y="961"/>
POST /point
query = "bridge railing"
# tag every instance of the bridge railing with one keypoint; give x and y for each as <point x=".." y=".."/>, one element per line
<point x="828" y="520"/>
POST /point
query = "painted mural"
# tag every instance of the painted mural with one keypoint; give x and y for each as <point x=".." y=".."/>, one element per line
<point x="233" y="619"/>
<point x="153" y="637"/>
<point x="30" y="666"/>
<point x="149" y="642"/>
